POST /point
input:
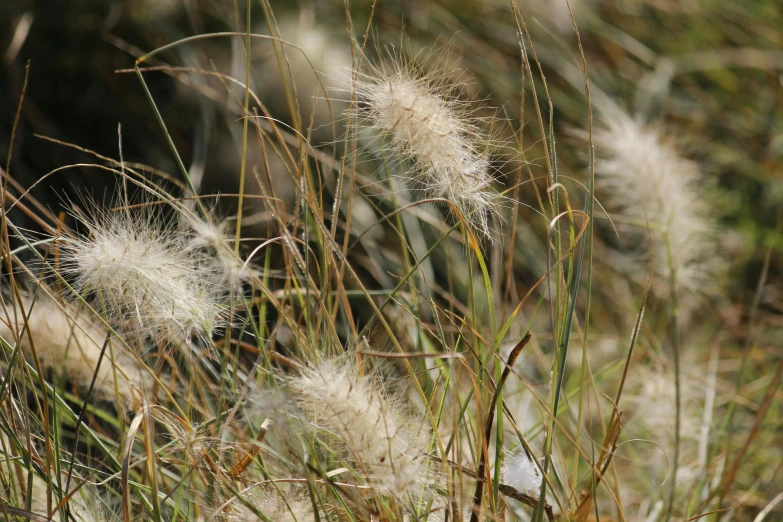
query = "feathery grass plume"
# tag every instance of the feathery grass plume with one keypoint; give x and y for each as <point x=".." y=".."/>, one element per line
<point x="211" y="238"/>
<point x="143" y="275"/>
<point x="287" y="504"/>
<point x="650" y="405"/>
<point x="426" y="123"/>
<point x="651" y="399"/>
<point x="315" y="62"/>
<point x="67" y="340"/>
<point x="648" y="179"/>
<point x="520" y="473"/>
<point x="386" y="445"/>
<point x="79" y="508"/>
<point x="279" y="506"/>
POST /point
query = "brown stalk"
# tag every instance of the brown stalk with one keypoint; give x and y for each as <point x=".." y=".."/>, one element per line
<point x="479" y="494"/>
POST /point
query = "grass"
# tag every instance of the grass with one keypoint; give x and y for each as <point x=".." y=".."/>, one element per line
<point x="390" y="333"/>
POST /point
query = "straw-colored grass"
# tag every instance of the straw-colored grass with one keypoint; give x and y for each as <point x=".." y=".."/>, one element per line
<point x="542" y="333"/>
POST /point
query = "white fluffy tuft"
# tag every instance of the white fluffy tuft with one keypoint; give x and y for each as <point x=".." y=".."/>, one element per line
<point x="520" y="473"/>
<point x="383" y="443"/>
<point x="292" y="509"/>
<point x="648" y="179"/>
<point x="66" y="340"/>
<point x="212" y="238"/>
<point x="144" y="277"/>
<point x="432" y="130"/>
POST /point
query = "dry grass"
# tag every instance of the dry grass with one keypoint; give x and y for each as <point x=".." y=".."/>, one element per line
<point x="345" y="347"/>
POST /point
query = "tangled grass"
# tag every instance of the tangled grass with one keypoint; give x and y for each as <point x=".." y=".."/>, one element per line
<point x="357" y="351"/>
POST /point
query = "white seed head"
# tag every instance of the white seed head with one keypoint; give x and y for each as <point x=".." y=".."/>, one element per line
<point x="210" y="239"/>
<point x="650" y="415"/>
<point x="522" y="474"/>
<point x="426" y="126"/>
<point x="284" y="505"/>
<point x="143" y="276"/>
<point x="649" y="180"/>
<point x="68" y="341"/>
<point x="385" y="445"/>
<point x="652" y="401"/>
<point x="291" y="509"/>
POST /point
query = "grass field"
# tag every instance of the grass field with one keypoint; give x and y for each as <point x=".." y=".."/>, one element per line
<point x="391" y="261"/>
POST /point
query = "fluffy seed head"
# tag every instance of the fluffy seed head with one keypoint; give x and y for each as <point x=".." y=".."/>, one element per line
<point x="650" y="415"/>
<point x="382" y="442"/>
<point x="521" y="474"/>
<point x="430" y="128"/>
<point x="143" y="276"/>
<point x="284" y="505"/>
<point x="67" y="340"/>
<point x="211" y="238"/>
<point x="651" y="400"/>
<point x="292" y="509"/>
<point x="648" y="179"/>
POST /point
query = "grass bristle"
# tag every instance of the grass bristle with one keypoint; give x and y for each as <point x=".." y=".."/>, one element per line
<point x="425" y="123"/>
